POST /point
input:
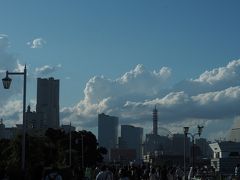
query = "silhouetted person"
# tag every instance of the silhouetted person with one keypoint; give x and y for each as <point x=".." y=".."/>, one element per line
<point x="104" y="174"/>
<point x="237" y="171"/>
<point x="164" y="173"/>
<point x="53" y="175"/>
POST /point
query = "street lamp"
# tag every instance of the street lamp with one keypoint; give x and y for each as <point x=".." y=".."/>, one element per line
<point x="82" y="149"/>
<point x="6" y="84"/>
<point x="186" y="133"/>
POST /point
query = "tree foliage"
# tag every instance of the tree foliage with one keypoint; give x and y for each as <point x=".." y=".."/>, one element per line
<point x="50" y="150"/>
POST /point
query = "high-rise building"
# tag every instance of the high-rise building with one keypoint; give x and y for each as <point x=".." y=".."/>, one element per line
<point x="155" y="121"/>
<point x="48" y="101"/>
<point x="132" y="138"/>
<point x="107" y="131"/>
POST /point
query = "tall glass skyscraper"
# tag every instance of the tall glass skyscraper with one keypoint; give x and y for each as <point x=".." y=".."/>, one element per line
<point x="107" y="131"/>
<point x="48" y="101"/>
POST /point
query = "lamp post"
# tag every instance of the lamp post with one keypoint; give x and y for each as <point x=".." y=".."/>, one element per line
<point x="82" y="152"/>
<point x="6" y="84"/>
<point x="82" y="149"/>
<point x="70" y="145"/>
<point x="186" y="133"/>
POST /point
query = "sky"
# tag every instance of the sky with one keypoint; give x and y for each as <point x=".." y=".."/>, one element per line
<point x="124" y="57"/>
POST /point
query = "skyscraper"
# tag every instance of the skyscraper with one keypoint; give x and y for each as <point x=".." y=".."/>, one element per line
<point x="155" y="121"/>
<point x="132" y="138"/>
<point x="48" y="101"/>
<point x="107" y="131"/>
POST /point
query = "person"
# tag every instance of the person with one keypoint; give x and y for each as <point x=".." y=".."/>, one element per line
<point x="104" y="174"/>
<point x="153" y="174"/>
<point x="237" y="171"/>
<point x="123" y="174"/>
<point x="164" y="173"/>
<point x="53" y="175"/>
<point x="179" y="173"/>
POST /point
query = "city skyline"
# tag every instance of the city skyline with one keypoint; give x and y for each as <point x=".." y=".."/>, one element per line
<point x="123" y="58"/>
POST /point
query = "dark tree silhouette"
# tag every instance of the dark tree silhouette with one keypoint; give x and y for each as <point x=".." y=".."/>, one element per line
<point x="49" y="150"/>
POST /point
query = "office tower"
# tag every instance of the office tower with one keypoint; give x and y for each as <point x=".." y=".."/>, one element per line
<point x="107" y="131"/>
<point x="132" y="138"/>
<point x="155" y="121"/>
<point x="48" y="101"/>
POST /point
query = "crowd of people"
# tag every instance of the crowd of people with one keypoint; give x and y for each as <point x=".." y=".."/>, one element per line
<point x="124" y="172"/>
<point x="117" y="172"/>
<point x="133" y="172"/>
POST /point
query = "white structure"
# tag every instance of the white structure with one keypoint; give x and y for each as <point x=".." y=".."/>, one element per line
<point x="235" y="135"/>
<point x="132" y="138"/>
<point x="226" y="155"/>
<point x="48" y="101"/>
<point x="107" y="131"/>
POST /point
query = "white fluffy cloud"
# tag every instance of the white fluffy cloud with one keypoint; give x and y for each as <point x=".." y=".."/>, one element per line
<point x="47" y="69"/>
<point x="37" y="43"/>
<point x="11" y="112"/>
<point x="8" y="61"/>
<point x="223" y="74"/>
<point x="213" y="97"/>
<point x="10" y="105"/>
<point x="212" y="80"/>
<point x="109" y="96"/>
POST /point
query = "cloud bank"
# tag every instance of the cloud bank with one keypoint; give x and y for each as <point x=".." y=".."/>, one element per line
<point x="212" y="97"/>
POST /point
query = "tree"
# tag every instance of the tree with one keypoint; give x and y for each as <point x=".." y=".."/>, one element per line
<point x="48" y="150"/>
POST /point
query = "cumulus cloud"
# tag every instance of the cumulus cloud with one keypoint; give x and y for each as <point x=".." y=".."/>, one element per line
<point x="37" y="43"/>
<point x="109" y="96"/>
<point x="11" y="112"/>
<point x="10" y="62"/>
<point x="212" y="80"/>
<point x="212" y="97"/>
<point x="47" y="69"/>
<point x="11" y="106"/>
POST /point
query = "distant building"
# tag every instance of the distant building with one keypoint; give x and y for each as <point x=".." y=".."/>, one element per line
<point x="205" y="150"/>
<point x="226" y="155"/>
<point x="154" y="143"/>
<point x="34" y="120"/>
<point x="107" y="132"/>
<point x="235" y="135"/>
<point x="155" y="121"/>
<point x="67" y="128"/>
<point x="8" y="133"/>
<point x="178" y="141"/>
<point x="48" y="101"/>
<point x="132" y="138"/>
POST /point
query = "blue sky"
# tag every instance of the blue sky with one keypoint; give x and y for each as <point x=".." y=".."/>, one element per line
<point x="78" y="40"/>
